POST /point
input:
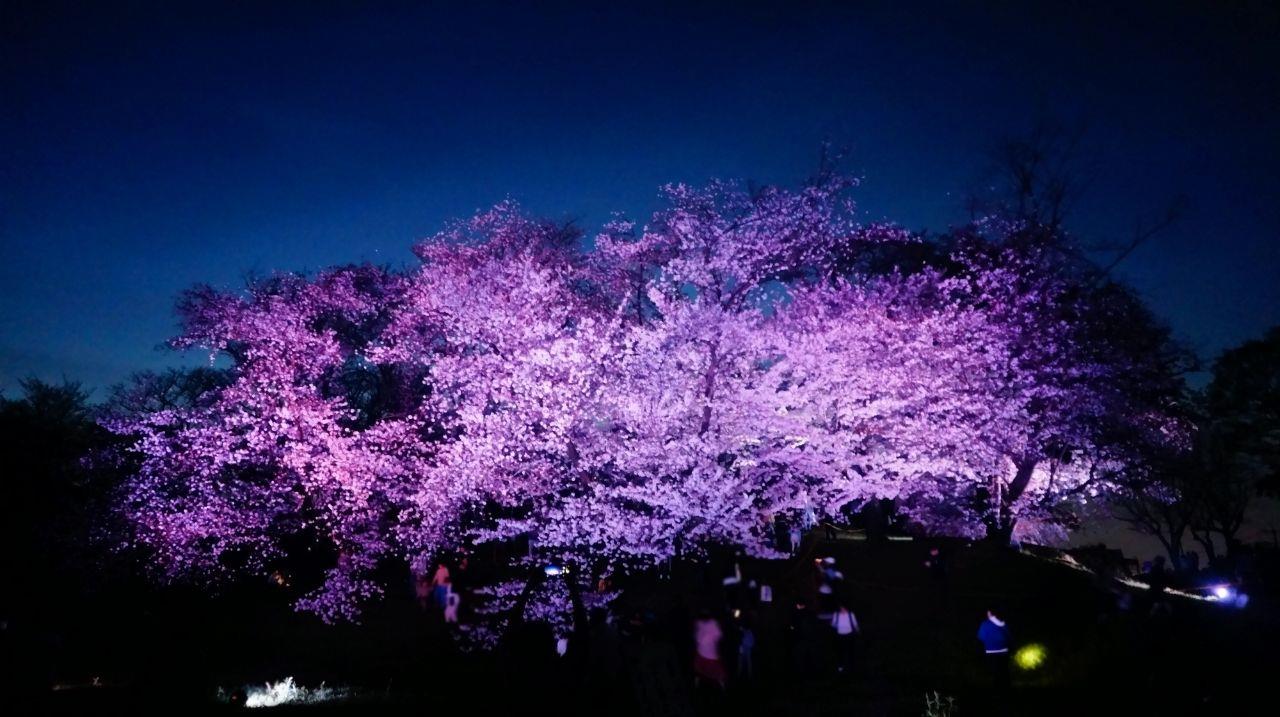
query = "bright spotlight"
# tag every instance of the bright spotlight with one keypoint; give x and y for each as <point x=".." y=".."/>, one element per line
<point x="287" y="692"/>
<point x="1222" y="592"/>
<point x="552" y="570"/>
<point x="1029" y="657"/>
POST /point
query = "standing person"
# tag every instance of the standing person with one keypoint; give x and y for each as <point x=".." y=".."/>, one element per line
<point x="794" y="534"/>
<point x="1157" y="581"/>
<point x="826" y="599"/>
<point x="845" y="624"/>
<point x="451" y="602"/>
<point x="994" y="636"/>
<point x="803" y="641"/>
<point x="440" y="584"/>
<point x="830" y="571"/>
<point x="422" y="590"/>
<point x="746" y="649"/>
<point x="936" y="565"/>
<point x="830" y="588"/>
<point x="733" y="585"/>
<point x="779" y="528"/>
<point x="706" y="659"/>
<point x="459" y="578"/>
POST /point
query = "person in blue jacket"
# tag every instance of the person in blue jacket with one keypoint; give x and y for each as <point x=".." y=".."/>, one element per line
<point x="994" y="636"/>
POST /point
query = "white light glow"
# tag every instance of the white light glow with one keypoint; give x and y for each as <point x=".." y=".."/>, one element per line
<point x="287" y="692"/>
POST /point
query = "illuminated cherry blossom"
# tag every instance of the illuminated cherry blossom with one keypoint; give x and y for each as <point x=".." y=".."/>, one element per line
<point x="667" y="392"/>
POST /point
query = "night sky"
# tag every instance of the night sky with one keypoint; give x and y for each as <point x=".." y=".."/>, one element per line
<point x="146" y="148"/>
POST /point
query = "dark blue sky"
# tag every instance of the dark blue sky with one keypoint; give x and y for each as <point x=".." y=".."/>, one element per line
<point x="148" y="148"/>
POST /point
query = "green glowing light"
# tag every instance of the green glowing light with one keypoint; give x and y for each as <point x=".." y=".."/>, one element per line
<point x="1029" y="657"/>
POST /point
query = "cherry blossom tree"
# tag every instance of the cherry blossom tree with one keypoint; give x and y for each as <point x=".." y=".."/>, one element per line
<point x="892" y="380"/>
<point x="278" y="452"/>
<point x="1089" y="376"/>
<point x="691" y="446"/>
<point x="663" y="394"/>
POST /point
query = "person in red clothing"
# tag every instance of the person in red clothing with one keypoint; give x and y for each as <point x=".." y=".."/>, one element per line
<point x="440" y="584"/>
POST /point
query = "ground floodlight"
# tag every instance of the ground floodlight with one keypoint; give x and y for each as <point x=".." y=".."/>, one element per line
<point x="1030" y="657"/>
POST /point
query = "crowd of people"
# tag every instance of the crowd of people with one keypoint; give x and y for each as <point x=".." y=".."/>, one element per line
<point x="437" y="590"/>
<point x="815" y="633"/>
<point x="730" y="625"/>
<point x="831" y="620"/>
<point x="720" y="627"/>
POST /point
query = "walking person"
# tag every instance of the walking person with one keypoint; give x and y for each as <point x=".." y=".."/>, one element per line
<point x="845" y="624"/>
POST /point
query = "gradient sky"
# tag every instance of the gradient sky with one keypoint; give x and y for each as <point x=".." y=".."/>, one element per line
<point x="147" y="147"/>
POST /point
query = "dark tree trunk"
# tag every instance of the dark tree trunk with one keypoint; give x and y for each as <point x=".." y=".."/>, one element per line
<point x="1205" y="540"/>
<point x="1000" y="521"/>
<point x="1233" y="544"/>
<point x="1173" y="546"/>
<point x="877" y="521"/>
<point x="708" y="391"/>
<point x="1000" y="533"/>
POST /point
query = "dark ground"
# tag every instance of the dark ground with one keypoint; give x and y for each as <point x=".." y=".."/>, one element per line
<point x="170" y="651"/>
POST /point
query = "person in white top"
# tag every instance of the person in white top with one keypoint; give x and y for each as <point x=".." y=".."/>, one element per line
<point x="845" y="624"/>
<point x="451" y="602"/>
